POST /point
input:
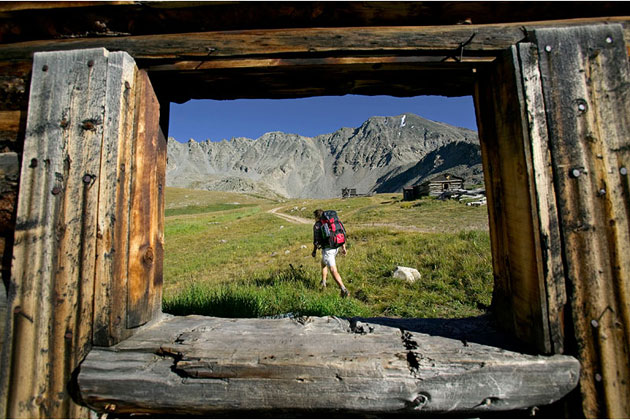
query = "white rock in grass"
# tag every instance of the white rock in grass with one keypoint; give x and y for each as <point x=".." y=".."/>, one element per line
<point x="406" y="273"/>
<point x="287" y="252"/>
<point x="303" y="247"/>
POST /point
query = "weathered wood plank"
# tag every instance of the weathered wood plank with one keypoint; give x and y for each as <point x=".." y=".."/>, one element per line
<point x="586" y="87"/>
<point x="52" y="278"/>
<point x="519" y="292"/>
<point x="283" y="57"/>
<point x="71" y="268"/>
<point x="110" y="299"/>
<point x="144" y="238"/>
<point x="487" y="122"/>
<point x="487" y="38"/>
<point x="549" y="245"/>
<point x="284" y="41"/>
<point x="81" y="19"/>
<point x="432" y="62"/>
<point x="200" y="365"/>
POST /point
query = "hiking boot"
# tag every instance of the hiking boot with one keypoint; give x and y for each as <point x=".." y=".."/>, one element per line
<point x="344" y="293"/>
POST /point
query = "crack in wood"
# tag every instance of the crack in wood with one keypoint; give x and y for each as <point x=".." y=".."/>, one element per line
<point x="204" y="364"/>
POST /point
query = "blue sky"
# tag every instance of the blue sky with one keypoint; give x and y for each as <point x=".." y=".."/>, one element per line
<point x="218" y="120"/>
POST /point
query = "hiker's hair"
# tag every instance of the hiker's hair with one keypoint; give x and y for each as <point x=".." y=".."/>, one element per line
<point x="318" y="213"/>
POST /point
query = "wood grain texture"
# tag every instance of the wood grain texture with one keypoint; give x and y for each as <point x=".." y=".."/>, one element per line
<point x="145" y="240"/>
<point x="487" y="115"/>
<point x="248" y="42"/>
<point x="586" y="87"/>
<point x="274" y="63"/>
<point x="53" y="20"/>
<point x="208" y="45"/>
<point x="200" y="365"/>
<point x="50" y="295"/>
<point x="548" y="245"/>
<point x="71" y="267"/>
<point x="519" y="290"/>
<point x="110" y="300"/>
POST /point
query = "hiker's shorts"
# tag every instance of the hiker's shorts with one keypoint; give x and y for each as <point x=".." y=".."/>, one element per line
<point x="328" y="256"/>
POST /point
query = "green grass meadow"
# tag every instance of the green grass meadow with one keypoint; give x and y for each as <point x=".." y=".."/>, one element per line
<point x="226" y="255"/>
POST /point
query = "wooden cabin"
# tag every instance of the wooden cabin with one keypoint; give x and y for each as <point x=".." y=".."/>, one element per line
<point x="85" y="89"/>
<point x="348" y="192"/>
<point x="441" y="183"/>
<point x="433" y="187"/>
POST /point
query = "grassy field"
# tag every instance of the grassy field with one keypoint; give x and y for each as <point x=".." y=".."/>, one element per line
<point x="226" y="255"/>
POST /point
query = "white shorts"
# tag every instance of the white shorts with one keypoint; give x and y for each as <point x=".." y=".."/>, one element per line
<point x="328" y="256"/>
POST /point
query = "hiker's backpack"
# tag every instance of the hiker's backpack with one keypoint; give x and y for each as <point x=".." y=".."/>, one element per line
<point x="333" y="234"/>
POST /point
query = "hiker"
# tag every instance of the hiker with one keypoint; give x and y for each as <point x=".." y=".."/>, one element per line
<point x="329" y="244"/>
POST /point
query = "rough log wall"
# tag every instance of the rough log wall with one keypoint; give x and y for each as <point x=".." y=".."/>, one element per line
<point x="69" y="280"/>
<point x="366" y="61"/>
<point x="585" y="81"/>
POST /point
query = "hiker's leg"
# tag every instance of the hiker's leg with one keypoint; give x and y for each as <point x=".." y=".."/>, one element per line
<point x="324" y="273"/>
<point x="336" y="276"/>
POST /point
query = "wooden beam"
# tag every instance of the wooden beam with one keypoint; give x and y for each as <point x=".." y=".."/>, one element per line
<point x="276" y="63"/>
<point x="202" y="366"/>
<point x="252" y="63"/>
<point x="48" y="5"/>
<point x="115" y="183"/>
<point x="548" y="243"/>
<point x="70" y="270"/>
<point x="146" y="242"/>
<point x="307" y="41"/>
<point x="477" y="40"/>
<point x="50" y="298"/>
<point x="586" y="87"/>
<point x="54" y="20"/>
<point x="521" y="273"/>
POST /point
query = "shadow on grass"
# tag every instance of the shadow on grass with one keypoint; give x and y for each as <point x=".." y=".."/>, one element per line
<point x="227" y="303"/>
<point x="291" y="291"/>
<point x="290" y="275"/>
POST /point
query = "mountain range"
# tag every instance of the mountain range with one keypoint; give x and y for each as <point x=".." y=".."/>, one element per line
<point x="383" y="155"/>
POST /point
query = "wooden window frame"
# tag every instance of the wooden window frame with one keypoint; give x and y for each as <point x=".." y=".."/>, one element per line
<point x="535" y="262"/>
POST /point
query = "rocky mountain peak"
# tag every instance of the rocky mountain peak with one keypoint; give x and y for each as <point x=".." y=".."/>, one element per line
<point x="381" y="155"/>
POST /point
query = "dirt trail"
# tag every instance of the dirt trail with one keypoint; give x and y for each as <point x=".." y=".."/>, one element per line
<point x="301" y="220"/>
<point x="289" y="218"/>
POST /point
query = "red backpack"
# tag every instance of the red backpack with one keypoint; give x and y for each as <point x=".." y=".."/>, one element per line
<point x="333" y="234"/>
